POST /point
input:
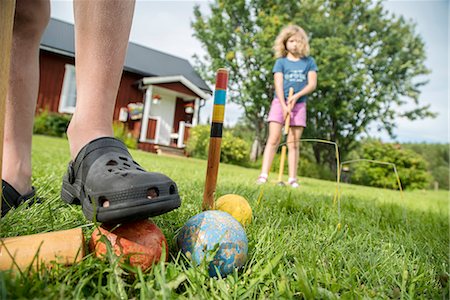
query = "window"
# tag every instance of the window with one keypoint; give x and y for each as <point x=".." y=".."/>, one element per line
<point x="68" y="98"/>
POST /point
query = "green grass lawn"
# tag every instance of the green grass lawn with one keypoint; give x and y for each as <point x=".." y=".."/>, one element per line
<point x="388" y="246"/>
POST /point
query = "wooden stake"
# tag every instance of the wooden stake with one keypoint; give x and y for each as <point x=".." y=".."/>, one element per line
<point x="283" y="148"/>
<point x="65" y="247"/>
<point x="215" y="140"/>
<point x="7" y="8"/>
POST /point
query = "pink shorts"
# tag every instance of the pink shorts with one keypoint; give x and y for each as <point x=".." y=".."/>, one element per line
<point x="298" y="113"/>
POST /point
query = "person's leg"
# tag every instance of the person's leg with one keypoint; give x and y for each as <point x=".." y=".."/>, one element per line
<point x="293" y="140"/>
<point x="271" y="147"/>
<point x="103" y="177"/>
<point x="30" y="20"/>
<point x="102" y="30"/>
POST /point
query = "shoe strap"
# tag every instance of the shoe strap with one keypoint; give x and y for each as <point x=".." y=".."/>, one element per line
<point x="100" y="146"/>
<point x="12" y="198"/>
<point x="262" y="178"/>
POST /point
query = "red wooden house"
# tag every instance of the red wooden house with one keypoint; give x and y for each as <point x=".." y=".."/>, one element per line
<point x="159" y="97"/>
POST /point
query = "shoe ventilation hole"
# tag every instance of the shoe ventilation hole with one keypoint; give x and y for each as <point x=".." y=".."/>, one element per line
<point x="110" y="170"/>
<point x="172" y="190"/>
<point x="152" y="193"/>
<point x="140" y="169"/>
<point x="103" y="202"/>
<point x="124" y="174"/>
<point x="126" y="165"/>
<point x="112" y="163"/>
<point x="123" y="158"/>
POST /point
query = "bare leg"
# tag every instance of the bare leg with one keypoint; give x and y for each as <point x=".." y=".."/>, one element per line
<point x="102" y="30"/>
<point x="30" y="20"/>
<point x="295" y="133"/>
<point x="271" y="147"/>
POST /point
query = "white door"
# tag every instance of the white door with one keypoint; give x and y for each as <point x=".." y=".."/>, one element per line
<point x="163" y="111"/>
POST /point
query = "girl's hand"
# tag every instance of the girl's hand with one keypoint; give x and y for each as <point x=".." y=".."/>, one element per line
<point x="291" y="102"/>
<point x="286" y="110"/>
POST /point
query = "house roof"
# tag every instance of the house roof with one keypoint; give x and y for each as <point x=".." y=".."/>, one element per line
<point x="59" y="37"/>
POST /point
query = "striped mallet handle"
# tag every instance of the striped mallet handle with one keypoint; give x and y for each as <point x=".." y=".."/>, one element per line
<point x="6" y="29"/>
<point x="220" y="95"/>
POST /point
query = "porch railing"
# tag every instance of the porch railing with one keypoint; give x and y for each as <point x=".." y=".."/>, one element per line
<point x="182" y="135"/>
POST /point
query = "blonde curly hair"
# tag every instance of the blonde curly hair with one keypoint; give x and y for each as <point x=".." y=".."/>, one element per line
<point x="284" y="35"/>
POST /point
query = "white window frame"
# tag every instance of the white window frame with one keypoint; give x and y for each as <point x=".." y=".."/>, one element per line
<point x="69" y="83"/>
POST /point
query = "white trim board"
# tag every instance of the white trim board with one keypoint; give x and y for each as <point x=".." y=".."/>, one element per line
<point x="177" y="78"/>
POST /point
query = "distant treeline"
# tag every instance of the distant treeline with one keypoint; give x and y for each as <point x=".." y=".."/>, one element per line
<point x="437" y="156"/>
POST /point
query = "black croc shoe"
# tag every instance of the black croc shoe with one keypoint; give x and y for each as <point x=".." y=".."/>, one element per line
<point x="11" y="198"/>
<point x="113" y="188"/>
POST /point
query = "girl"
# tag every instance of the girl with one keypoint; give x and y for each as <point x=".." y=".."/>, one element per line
<point x="293" y="68"/>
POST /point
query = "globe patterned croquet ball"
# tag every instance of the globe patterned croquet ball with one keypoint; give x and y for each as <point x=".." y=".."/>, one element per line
<point x="236" y="206"/>
<point x="214" y="230"/>
<point x="141" y="243"/>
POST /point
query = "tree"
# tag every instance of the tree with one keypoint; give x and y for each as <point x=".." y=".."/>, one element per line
<point x="370" y="63"/>
<point x="233" y="39"/>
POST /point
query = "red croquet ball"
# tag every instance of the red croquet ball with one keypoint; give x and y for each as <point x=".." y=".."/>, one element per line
<point x="141" y="243"/>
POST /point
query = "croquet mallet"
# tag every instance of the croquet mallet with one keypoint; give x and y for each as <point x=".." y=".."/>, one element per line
<point x="285" y="135"/>
<point x="7" y="9"/>
<point x="19" y="252"/>
<point x="215" y="140"/>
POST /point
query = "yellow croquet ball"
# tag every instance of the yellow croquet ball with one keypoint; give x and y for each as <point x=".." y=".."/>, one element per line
<point x="236" y="206"/>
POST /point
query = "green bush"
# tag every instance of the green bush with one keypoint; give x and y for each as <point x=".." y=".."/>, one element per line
<point x="52" y="124"/>
<point x="233" y="150"/>
<point x="441" y="176"/>
<point x="197" y="144"/>
<point x="411" y="167"/>
<point x="121" y="133"/>
<point x="437" y="156"/>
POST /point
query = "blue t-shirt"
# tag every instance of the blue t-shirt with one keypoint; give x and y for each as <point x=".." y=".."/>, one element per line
<point x="295" y="74"/>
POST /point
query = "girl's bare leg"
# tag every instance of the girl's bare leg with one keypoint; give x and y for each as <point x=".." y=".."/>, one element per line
<point x="273" y="142"/>
<point x="294" y="136"/>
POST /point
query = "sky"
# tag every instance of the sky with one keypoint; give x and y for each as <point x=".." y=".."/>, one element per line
<point x="165" y="26"/>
